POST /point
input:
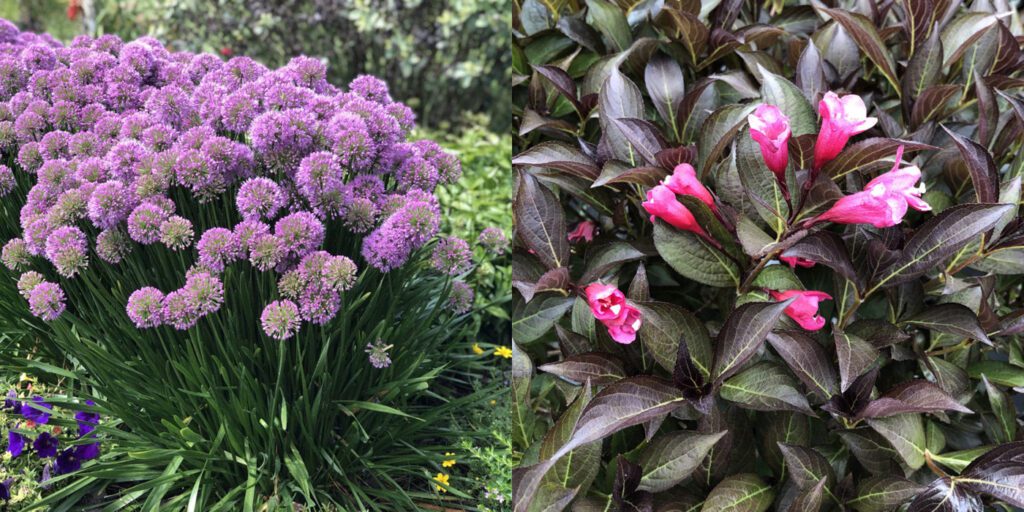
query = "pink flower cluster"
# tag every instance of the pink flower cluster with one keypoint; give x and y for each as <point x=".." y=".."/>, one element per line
<point x="109" y="131"/>
<point x="608" y="304"/>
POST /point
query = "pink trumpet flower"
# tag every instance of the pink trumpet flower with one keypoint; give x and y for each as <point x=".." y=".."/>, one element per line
<point x="803" y="310"/>
<point x="684" y="182"/>
<point x="608" y="304"/>
<point x="662" y="203"/>
<point x="584" y="231"/>
<point x="841" y="118"/>
<point x="884" y="200"/>
<point x="796" y="261"/>
<point x="769" y="127"/>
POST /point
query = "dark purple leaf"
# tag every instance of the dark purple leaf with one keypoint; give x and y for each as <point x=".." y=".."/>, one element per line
<point x="809" y="500"/>
<point x="562" y="81"/>
<point x="664" y="81"/>
<point x="672" y="458"/>
<point x="744" y="492"/>
<point x="905" y="432"/>
<point x="943" y="496"/>
<point x="540" y="222"/>
<point x="808" y="361"/>
<point x="810" y="73"/>
<point x="938" y="238"/>
<point x="870" y="154"/>
<point x="580" y="469"/>
<point x="924" y="68"/>
<point x="598" y="367"/>
<point x="952" y="318"/>
<point x="643" y="137"/>
<point x="934" y="103"/>
<point x="743" y="334"/>
<point x="883" y="493"/>
<point x="855" y="356"/>
<point x="828" y="249"/>
<point x="620" y="98"/>
<point x="998" y="473"/>
<point x="981" y="167"/>
<point x="765" y="386"/>
<point x="806" y="466"/>
<point x="862" y="30"/>
<point x="605" y="258"/>
<point x="561" y="156"/>
<point x="912" y="396"/>
<point x="717" y="133"/>
<point x="665" y="327"/>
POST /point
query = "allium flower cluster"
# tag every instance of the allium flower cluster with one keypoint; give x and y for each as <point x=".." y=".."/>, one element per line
<point x="452" y="256"/>
<point x="108" y="131"/>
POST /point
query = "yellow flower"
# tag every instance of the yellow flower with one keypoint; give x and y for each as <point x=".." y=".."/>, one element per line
<point x="494" y="402"/>
<point x="503" y="352"/>
<point x="450" y="462"/>
<point x="442" y="478"/>
<point x="477" y="350"/>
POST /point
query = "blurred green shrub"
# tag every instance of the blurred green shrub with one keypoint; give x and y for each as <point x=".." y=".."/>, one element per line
<point x="441" y="58"/>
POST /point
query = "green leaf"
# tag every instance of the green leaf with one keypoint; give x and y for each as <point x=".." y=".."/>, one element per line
<point x="761" y="185"/>
<point x="581" y="466"/>
<point x="694" y="258"/>
<point x="717" y="133"/>
<point x="610" y="21"/>
<point x="999" y="372"/>
<point x="765" y="386"/>
<point x="1004" y="412"/>
<point x="780" y="92"/>
<point x="883" y="493"/>
<point x="671" y="458"/>
<point x="744" y="492"/>
<point x="538" y="317"/>
<point x="905" y="432"/>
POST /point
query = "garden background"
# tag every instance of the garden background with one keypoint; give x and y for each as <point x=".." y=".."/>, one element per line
<point x="447" y="60"/>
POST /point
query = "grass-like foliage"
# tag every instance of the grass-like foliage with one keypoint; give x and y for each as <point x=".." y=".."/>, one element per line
<point x="768" y="256"/>
<point x="241" y="267"/>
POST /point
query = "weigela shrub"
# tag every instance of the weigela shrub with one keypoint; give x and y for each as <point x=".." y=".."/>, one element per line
<point x="768" y="256"/>
<point x="183" y="228"/>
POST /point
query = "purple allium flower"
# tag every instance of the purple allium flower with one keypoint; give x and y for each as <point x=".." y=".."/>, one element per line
<point x="366" y="186"/>
<point x="280" y="319"/>
<point x="144" y="223"/>
<point x="193" y="171"/>
<point x="379" y="357"/>
<point x="67" y="249"/>
<point x="176" y="233"/>
<point x="112" y="245"/>
<point x="360" y="215"/>
<point x="67" y="461"/>
<point x="266" y="252"/>
<point x="217" y="248"/>
<point x="29" y="157"/>
<point x="260" y="198"/>
<point x="246" y="232"/>
<point x="145" y="307"/>
<point x="54" y="145"/>
<point x="291" y="284"/>
<point x="205" y="292"/>
<point x="301" y="233"/>
<point x="319" y="304"/>
<point x="92" y="170"/>
<point x="28" y="281"/>
<point x="402" y="114"/>
<point x="417" y="172"/>
<point x="238" y="111"/>
<point x="321" y="182"/>
<point x="125" y="159"/>
<point x="87" y="420"/>
<point x="84" y="144"/>
<point x="461" y="299"/>
<point x="178" y="312"/>
<point x="371" y="88"/>
<point x="339" y="273"/>
<point x="36" y="232"/>
<point x="7" y="181"/>
<point x="448" y="166"/>
<point x="37" y="411"/>
<point x="15" y="254"/>
<point x="282" y="138"/>
<point x="351" y="141"/>
<point x="110" y="204"/>
<point x="45" y="445"/>
<point x="15" y="443"/>
<point x="383" y="128"/>
<point x="389" y="246"/>
<point x="493" y="240"/>
<point x="451" y="256"/>
<point x="46" y="301"/>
